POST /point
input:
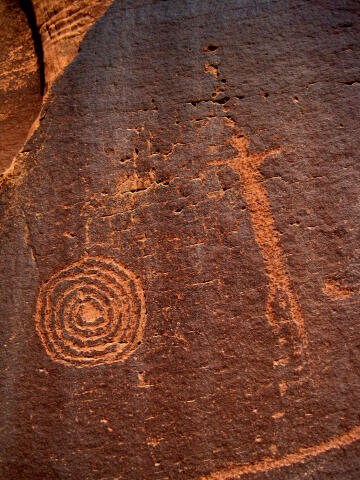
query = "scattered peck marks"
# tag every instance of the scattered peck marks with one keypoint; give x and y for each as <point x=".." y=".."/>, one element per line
<point x="91" y="313"/>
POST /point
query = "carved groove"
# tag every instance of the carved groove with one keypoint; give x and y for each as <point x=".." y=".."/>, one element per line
<point x="91" y="313"/>
<point x="301" y="456"/>
<point x="247" y="166"/>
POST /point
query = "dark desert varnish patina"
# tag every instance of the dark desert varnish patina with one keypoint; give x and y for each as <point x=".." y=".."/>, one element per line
<point x="180" y="248"/>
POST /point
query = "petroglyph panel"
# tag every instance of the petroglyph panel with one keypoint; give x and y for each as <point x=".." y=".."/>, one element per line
<point x="205" y="150"/>
<point x="91" y="313"/>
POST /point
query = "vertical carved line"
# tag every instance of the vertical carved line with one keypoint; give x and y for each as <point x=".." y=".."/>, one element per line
<point x="247" y="165"/>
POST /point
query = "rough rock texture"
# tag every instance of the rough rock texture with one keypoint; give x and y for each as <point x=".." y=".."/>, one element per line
<point x="180" y="260"/>
<point x="40" y="39"/>
<point x="20" y="88"/>
<point x="62" y="25"/>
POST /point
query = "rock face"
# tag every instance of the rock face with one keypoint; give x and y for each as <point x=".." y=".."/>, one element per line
<point x="20" y="86"/>
<point x="40" y="39"/>
<point x="180" y="260"/>
<point x="61" y="25"/>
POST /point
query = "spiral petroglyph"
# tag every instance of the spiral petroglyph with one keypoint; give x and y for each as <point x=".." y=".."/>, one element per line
<point x="91" y="313"/>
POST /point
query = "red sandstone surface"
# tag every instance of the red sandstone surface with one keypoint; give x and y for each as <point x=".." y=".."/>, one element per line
<point x="180" y="240"/>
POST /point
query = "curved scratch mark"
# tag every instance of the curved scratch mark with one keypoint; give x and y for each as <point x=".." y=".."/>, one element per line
<point x="300" y="456"/>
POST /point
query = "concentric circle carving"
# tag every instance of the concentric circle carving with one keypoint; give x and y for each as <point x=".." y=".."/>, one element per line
<point x="91" y="313"/>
